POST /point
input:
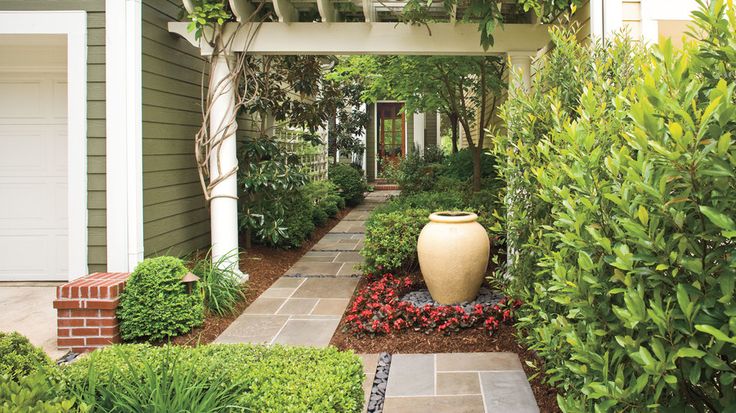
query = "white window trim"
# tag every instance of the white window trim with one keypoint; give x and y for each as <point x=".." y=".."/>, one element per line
<point x="124" y="132"/>
<point x="73" y="24"/>
<point x="654" y="10"/>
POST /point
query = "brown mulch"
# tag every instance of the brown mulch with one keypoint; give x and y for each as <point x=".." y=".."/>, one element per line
<point x="264" y="265"/>
<point x="464" y="341"/>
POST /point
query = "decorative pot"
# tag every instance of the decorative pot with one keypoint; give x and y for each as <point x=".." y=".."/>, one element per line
<point x="453" y="251"/>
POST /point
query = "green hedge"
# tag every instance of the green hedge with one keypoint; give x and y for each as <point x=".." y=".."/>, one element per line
<point x="263" y="379"/>
<point x="622" y="172"/>
<point x="350" y="182"/>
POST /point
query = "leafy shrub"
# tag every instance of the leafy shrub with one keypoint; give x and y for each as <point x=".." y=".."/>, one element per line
<point x="319" y="217"/>
<point x="297" y="222"/>
<point x="350" y="183"/>
<point x="415" y="174"/>
<point x="35" y="393"/>
<point x="630" y="272"/>
<point x="460" y="166"/>
<point x="156" y="304"/>
<point x="222" y="287"/>
<point x="331" y="205"/>
<point x="269" y="180"/>
<point x="18" y="357"/>
<point x="391" y="240"/>
<point x="261" y="378"/>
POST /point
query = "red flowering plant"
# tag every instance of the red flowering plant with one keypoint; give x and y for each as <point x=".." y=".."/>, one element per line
<point x="378" y="309"/>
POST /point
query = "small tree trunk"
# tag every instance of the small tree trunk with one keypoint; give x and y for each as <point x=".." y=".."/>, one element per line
<point x="248" y="239"/>
<point x="477" y="152"/>
<point x="455" y="131"/>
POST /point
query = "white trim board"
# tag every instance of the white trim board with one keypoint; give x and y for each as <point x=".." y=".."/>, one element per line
<point x="72" y="23"/>
<point x="124" y="142"/>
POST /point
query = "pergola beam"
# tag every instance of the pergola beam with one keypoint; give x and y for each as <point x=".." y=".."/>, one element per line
<point x="243" y="10"/>
<point x="327" y="11"/>
<point x="459" y="39"/>
<point x="369" y="11"/>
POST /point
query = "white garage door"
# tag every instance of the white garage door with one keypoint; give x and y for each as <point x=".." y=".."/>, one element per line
<point x="33" y="175"/>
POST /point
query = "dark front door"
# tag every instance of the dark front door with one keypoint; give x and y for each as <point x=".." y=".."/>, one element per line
<point x="391" y="132"/>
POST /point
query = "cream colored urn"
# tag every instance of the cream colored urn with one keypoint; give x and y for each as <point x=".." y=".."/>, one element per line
<point x="453" y="251"/>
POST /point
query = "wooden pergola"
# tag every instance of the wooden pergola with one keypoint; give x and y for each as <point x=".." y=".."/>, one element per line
<point x="334" y="27"/>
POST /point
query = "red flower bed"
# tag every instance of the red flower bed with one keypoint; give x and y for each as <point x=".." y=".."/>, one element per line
<point x="378" y="309"/>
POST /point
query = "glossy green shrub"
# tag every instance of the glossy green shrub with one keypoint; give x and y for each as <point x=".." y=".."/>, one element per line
<point x="18" y="357"/>
<point x="630" y="275"/>
<point x="155" y="303"/>
<point x="36" y="393"/>
<point x="350" y="182"/>
<point x="260" y="378"/>
<point x="391" y="240"/>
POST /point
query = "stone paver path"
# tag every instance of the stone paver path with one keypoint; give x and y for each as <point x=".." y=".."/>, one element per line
<point x="458" y="382"/>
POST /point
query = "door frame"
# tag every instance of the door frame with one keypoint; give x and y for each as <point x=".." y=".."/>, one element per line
<point x="73" y="24"/>
<point x="376" y="133"/>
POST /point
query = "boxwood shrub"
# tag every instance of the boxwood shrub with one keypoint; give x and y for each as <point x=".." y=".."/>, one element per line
<point x="18" y="357"/>
<point x="350" y="182"/>
<point x="263" y="378"/>
<point x="156" y="304"/>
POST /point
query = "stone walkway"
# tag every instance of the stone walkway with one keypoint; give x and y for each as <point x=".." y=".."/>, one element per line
<point x="305" y="305"/>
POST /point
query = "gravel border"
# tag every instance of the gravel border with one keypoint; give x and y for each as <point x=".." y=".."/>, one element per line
<point x="378" y="391"/>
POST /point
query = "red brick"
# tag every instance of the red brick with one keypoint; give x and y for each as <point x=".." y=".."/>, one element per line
<point x="70" y="322"/>
<point x="63" y="332"/>
<point x="109" y="331"/>
<point x="104" y="341"/>
<point x="67" y="304"/>
<point x="85" y="331"/>
<point x="70" y="342"/>
<point x="63" y="313"/>
<point x="102" y="304"/>
<point x="107" y="313"/>
<point x="101" y="322"/>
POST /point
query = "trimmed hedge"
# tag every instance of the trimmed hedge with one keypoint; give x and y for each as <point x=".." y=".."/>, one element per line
<point x="18" y="357"/>
<point x="155" y="303"/>
<point x="267" y="379"/>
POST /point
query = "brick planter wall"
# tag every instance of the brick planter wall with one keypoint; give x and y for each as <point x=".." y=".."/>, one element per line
<point x="86" y="311"/>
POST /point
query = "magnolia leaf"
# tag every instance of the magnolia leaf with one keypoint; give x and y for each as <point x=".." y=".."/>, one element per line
<point x="643" y="215"/>
<point x="584" y="260"/>
<point x="690" y="352"/>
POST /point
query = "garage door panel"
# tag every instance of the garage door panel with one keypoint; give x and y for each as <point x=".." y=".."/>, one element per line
<point x="27" y="107"/>
<point x="33" y="176"/>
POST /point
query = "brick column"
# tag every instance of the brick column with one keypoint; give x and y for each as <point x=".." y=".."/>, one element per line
<point x="86" y="311"/>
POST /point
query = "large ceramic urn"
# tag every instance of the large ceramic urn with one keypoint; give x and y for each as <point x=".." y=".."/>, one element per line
<point x="453" y="253"/>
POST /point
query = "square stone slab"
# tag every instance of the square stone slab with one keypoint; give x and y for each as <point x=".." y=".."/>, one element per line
<point x="507" y="391"/>
<point x="287" y="282"/>
<point x="259" y="329"/>
<point x="331" y="306"/>
<point x="264" y="305"/>
<point x="302" y="306"/>
<point x="356" y="215"/>
<point x="275" y="292"/>
<point x="349" y="256"/>
<point x="349" y="269"/>
<point x="314" y="333"/>
<point x="411" y="375"/>
<point x="350" y="227"/>
<point x="326" y="288"/>
<point x="478" y="362"/>
<point x="436" y="404"/>
<point x="303" y="268"/>
<point x="457" y="383"/>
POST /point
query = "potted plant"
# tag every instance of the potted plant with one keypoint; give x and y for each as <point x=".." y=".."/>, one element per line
<point x="453" y="251"/>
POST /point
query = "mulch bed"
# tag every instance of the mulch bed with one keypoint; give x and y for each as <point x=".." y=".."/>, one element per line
<point x="465" y="341"/>
<point x="265" y="265"/>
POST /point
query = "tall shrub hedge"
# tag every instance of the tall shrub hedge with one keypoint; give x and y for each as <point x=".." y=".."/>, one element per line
<point x="622" y="194"/>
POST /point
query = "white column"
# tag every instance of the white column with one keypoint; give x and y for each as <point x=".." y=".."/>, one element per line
<point x="419" y="132"/>
<point x="520" y="77"/>
<point x="223" y="160"/>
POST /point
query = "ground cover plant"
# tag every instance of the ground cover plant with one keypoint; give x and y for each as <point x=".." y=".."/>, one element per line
<point x="220" y="284"/>
<point x="623" y="196"/>
<point x="232" y="377"/>
<point x="377" y="309"/>
<point x="156" y="305"/>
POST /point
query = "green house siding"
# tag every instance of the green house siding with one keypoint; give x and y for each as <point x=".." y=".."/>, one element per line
<point x="175" y="215"/>
<point x="96" y="219"/>
<point x="430" y="129"/>
<point x="409" y="125"/>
